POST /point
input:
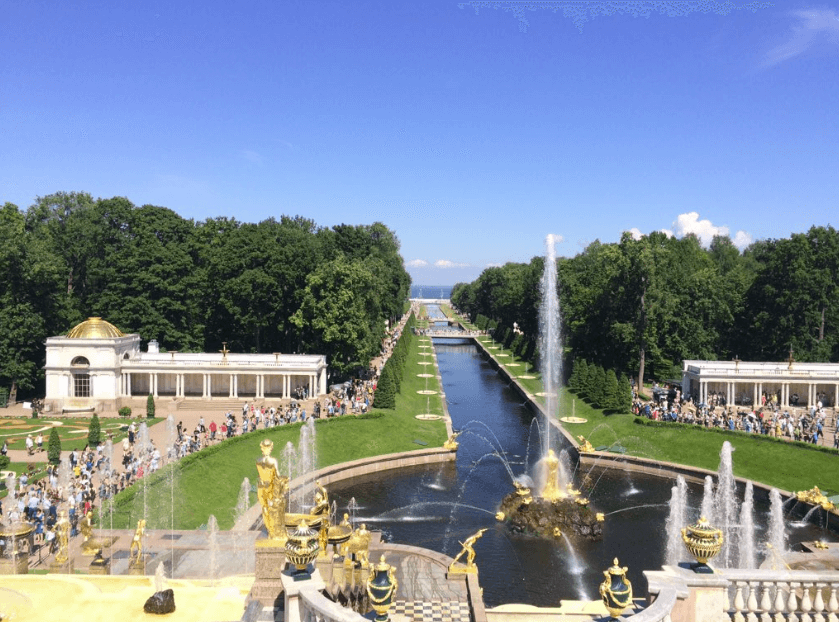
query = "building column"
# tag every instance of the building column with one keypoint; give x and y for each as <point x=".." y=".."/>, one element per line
<point x="210" y="386"/>
<point x="311" y="384"/>
<point x="322" y="382"/>
<point x="181" y="388"/>
<point x="204" y="385"/>
<point x="260" y="386"/>
<point x="756" y="398"/>
<point x="285" y="386"/>
<point x="129" y="384"/>
<point x="236" y="385"/>
<point x="785" y="394"/>
<point x="230" y="385"/>
<point x="759" y="393"/>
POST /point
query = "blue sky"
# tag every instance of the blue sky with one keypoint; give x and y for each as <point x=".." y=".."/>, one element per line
<point x="469" y="133"/>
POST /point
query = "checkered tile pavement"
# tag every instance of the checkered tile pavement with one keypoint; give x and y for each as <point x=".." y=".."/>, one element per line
<point x="422" y="611"/>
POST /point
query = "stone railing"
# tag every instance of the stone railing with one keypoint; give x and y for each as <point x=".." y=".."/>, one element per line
<point x="797" y="596"/>
<point x="315" y="607"/>
<point x="741" y="596"/>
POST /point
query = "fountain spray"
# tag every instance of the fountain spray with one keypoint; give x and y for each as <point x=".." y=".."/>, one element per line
<point x="549" y="346"/>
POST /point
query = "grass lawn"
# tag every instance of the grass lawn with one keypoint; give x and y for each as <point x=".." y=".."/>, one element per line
<point x="209" y="482"/>
<point x="71" y="431"/>
<point x="38" y="470"/>
<point x="783" y="465"/>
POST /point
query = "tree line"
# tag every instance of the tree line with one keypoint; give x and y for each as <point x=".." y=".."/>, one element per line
<point x="284" y="285"/>
<point x="642" y="306"/>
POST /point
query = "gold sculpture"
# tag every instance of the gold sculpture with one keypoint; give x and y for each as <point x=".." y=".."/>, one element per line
<point x="321" y="508"/>
<point x="137" y="541"/>
<point x="302" y="547"/>
<point x="815" y="497"/>
<point x="551" y="491"/>
<point x="271" y="492"/>
<point x="500" y="516"/>
<point x="523" y="492"/>
<point x="469" y="551"/>
<point x="616" y="590"/>
<point x="62" y="534"/>
<point x="451" y="444"/>
<point x="585" y="447"/>
<point x="703" y="542"/>
<point x="359" y="546"/>
<point x="90" y="546"/>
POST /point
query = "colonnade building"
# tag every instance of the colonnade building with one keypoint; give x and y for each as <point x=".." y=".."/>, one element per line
<point x="792" y="383"/>
<point x="95" y="367"/>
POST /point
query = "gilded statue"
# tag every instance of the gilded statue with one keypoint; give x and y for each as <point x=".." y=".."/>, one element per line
<point x="89" y="545"/>
<point x="137" y="541"/>
<point x="271" y="491"/>
<point x="551" y="491"/>
<point x="358" y="544"/>
<point x="321" y="506"/>
<point x="451" y="443"/>
<point x="62" y="534"/>
<point x="469" y="551"/>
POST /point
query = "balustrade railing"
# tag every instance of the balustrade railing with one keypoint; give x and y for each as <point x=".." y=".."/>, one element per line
<point x="315" y="607"/>
<point x="772" y="596"/>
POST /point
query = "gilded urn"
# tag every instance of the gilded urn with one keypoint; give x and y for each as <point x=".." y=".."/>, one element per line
<point x="302" y="547"/>
<point x="381" y="588"/>
<point x="616" y="590"/>
<point x="703" y="541"/>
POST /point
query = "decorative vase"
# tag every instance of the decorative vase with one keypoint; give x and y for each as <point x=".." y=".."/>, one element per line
<point x="703" y="542"/>
<point x="302" y="547"/>
<point x="381" y="588"/>
<point x="616" y="590"/>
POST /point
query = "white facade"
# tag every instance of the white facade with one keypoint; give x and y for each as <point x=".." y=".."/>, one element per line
<point x="101" y="369"/>
<point x="741" y="382"/>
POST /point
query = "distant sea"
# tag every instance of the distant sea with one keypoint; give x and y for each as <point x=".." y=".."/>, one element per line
<point x="431" y="291"/>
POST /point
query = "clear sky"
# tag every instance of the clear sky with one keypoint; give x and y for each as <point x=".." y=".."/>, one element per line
<point x="471" y="134"/>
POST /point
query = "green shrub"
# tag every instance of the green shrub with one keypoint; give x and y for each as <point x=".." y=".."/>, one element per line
<point x="54" y="448"/>
<point x="4" y="462"/>
<point x="150" y="406"/>
<point x="125" y="411"/>
<point x="94" y="431"/>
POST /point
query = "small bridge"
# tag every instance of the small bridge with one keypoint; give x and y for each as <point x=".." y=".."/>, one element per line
<point x="449" y="334"/>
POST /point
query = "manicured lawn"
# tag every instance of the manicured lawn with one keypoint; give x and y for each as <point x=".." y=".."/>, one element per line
<point x="71" y="431"/>
<point x="782" y="465"/>
<point x="38" y="470"/>
<point x="209" y="482"/>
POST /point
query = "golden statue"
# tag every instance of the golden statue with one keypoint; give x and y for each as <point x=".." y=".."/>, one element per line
<point x="585" y="446"/>
<point x="271" y="491"/>
<point x="358" y="545"/>
<point x="815" y="497"/>
<point x="451" y="444"/>
<point x="62" y="534"/>
<point x="551" y="491"/>
<point x="89" y="545"/>
<point x="469" y="551"/>
<point x="321" y="505"/>
<point x="137" y="541"/>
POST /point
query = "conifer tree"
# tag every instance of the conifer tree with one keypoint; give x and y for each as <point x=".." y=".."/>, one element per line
<point x="150" y="406"/>
<point x="610" y="391"/>
<point x="624" y="395"/>
<point x="598" y="382"/>
<point x="94" y="432"/>
<point x="54" y="448"/>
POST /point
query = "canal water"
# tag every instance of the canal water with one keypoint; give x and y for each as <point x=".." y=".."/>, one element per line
<point x="437" y="507"/>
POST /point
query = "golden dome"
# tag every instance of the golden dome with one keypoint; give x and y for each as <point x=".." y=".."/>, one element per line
<point x="95" y="328"/>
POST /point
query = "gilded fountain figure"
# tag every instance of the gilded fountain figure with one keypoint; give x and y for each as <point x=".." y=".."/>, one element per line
<point x="271" y="491"/>
<point x="469" y="551"/>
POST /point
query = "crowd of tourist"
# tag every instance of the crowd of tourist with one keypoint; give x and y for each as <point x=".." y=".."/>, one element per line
<point x="768" y="418"/>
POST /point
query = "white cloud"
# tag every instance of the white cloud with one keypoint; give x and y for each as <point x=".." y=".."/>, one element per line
<point x="812" y="26"/>
<point x="667" y="232"/>
<point x="635" y="232"/>
<point x="417" y="263"/>
<point x="705" y="230"/>
<point x="742" y="239"/>
<point x="493" y="265"/>
<point x="445" y="263"/>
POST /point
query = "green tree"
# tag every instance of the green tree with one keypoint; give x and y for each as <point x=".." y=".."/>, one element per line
<point x="150" y="406"/>
<point x="385" y="396"/>
<point x="54" y="448"/>
<point x="94" y="432"/>
<point x="598" y="393"/>
<point x="624" y="401"/>
<point x="611" y="398"/>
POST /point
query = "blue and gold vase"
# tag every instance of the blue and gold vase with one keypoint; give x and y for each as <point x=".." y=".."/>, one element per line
<point x="381" y="588"/>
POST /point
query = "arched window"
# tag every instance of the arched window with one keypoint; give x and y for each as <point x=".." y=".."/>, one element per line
<point x="80" y="361"/>
<point x="125" y="356"/>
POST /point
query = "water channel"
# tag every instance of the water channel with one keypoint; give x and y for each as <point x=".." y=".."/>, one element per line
<point x="438" y="507"/>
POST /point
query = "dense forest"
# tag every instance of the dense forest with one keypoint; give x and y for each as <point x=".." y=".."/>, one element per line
<point x="642" y="306"/>
<point x="283" y="285"/>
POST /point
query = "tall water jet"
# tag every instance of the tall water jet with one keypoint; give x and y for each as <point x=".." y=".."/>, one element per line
<point x="725" y="505"/>
<point x="747" y="558"/>
<point x="171" y="438"/>
<point x="707" y="510"/>
<point x="549" y="347"/>
<point x="212" y="544"/>
<point x="244" y="500"/>
<point x="675" y="521"/>
<point x="777" y="543"/>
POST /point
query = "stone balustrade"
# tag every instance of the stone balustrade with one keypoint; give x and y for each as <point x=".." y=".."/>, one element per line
<point x="315" y="607"/>
<point x="794" y="596"/>
<point x="741" y="595"/>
